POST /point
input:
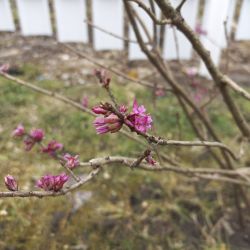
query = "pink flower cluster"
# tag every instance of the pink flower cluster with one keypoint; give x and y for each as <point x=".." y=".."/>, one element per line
<point x="35" y="136"/>
<point x="48" y="182"/>
<point x="138" y="119"/>
<point x="52" y="182"/>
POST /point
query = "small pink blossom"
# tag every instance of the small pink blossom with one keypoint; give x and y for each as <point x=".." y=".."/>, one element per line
<point x="37" y="134"/>
<point x="199" y="30"/>
<point x="110" y="123"/>
<point x="4" y="68"/>
<point x="19" y="131"/>
<point x="11" y="183"/>
<point x="71" y="161"/>
<point x="191" y="71"/>
<point x="52" y="147"/>
<point x="200" y="94"/>
<point x="160" y="92"/>
<point x="139" y="119"/>
<point x="85" y="101"/>
<point x="52" y="182"/>
<point x="150" y="160"/>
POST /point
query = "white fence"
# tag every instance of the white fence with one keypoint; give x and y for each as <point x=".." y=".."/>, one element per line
<point x="34" y="17"/>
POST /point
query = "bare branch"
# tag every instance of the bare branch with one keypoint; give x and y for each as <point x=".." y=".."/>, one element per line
<point x="41" y="194"/>
<point x="109" y="33"/>
<point x="165" y="142"/>
<point x="150" y="13"/>
<point x="178" y="8"/>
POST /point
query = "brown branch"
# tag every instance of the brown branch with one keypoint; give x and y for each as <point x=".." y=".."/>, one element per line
<point x="150" y="13"/>
<point x="109" y="33"/>
<point x="205" y="173"/>
<point x="46" y="92"/>
<point x="220" y="79"/>
<point x="165" y="142"/>
<point x="138" y="161"/>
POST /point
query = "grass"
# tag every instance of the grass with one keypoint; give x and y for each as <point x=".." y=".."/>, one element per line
<point x="128" y="209"/>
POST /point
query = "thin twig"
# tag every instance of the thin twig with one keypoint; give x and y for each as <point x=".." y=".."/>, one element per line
<point x="111" y="69"/>
<point x="178" y="8"/>
<point x="109" y="33"/>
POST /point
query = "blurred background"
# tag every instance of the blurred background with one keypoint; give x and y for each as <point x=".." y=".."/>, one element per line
<point x="120" y="209"/>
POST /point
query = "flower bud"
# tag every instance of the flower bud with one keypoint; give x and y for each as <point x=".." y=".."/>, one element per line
<point x="103" y="77"/>
<point x="150" y="160"/>
<point x="4" y="68"/>
<point x="52" y="147"/>
<point x="100" y="110"/>
<point x="71" y="161"/>
<point x="111" y="123"/>
<point x="37" y="134"/>
<point x="11" y="183"/>
<point x="18" y="131"/>
<point x="85" y="101"/>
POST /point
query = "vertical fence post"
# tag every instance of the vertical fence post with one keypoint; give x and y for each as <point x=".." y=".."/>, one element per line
<point x="89" y="15"/>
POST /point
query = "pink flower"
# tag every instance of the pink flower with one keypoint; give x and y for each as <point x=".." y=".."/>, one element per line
<point x="160" y="92"/>
<point x="85" y="101"/>
<point x="4" y="68"/>
<point x="103" y="76"/>
<point x="11" y="183"/>
<point x="18" y="131"/>
<point x="52" y="182"/>
<point x="149" y="159"/>
<point x="71" y="161"/>
<point x="52" y="147"/>
<point x="191" y="71"/>
<point x="139" y="110"/>
<point x="199" y="30"/>
<point x="37" y="134"/>
<point x="110" y="123"/>
<point x="139" y="119"/>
